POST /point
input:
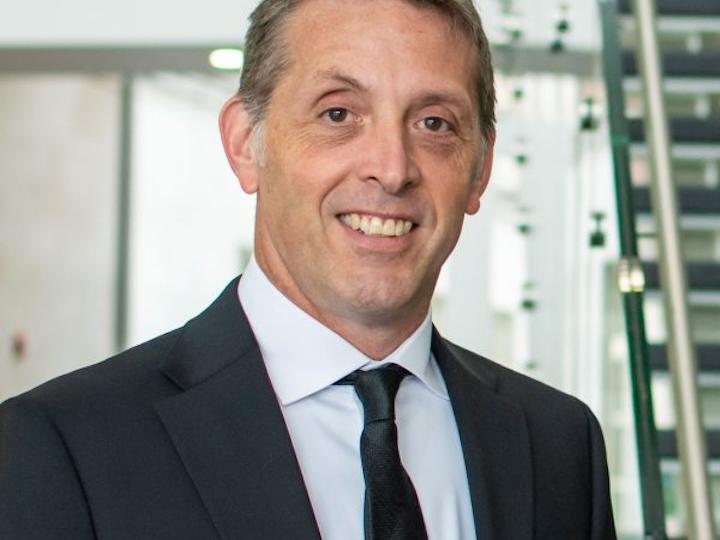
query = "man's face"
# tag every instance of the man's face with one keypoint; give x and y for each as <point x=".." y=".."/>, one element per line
<point x="371" y="153"/>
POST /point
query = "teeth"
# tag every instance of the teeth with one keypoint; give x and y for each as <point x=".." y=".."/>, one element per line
<point x="375" y="226"/>
<point x="389" y="227"/>
<point x="365" y="224"/>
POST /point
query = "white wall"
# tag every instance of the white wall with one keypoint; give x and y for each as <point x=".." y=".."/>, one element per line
<point x="58" y="186"/>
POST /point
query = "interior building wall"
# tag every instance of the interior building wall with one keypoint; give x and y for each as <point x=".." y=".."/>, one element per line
<point x="58" y="188"/>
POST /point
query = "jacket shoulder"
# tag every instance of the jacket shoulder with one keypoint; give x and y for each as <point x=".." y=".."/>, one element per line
<point x="123" y="375"/>
<point x="534" y="397"/>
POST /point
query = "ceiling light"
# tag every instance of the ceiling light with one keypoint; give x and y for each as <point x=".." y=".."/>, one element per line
<point x="226" y="59"/>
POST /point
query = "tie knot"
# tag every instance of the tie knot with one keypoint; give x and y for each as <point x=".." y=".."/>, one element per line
<point x="377" y="389"/>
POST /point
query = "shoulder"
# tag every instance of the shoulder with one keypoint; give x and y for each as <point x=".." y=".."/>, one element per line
<point x="542" y="405"/>
<point x="126" y="387"/>
<point x="125" y="377"/>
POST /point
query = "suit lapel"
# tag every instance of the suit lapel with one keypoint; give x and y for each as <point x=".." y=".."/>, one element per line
<point x="495" y="443"/>
<point x="229" y="431"/>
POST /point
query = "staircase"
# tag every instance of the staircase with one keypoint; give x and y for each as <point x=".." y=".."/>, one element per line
<point x="689" y="33"/>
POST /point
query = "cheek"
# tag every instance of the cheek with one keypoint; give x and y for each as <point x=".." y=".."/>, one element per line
<point x="454" y="161"/>
<point x="449" y="188"/>
<point x="298" y="190"/>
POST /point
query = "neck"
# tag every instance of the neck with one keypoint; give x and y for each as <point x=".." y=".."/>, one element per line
<point x="376" y="342"/>
<point x="375" y="334"/>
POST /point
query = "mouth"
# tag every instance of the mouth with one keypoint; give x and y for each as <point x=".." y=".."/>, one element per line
<point x="377" y="226"/>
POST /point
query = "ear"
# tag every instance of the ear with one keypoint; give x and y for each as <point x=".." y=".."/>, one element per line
<point x="480" y="183"/>
<point x="236" y="133"/>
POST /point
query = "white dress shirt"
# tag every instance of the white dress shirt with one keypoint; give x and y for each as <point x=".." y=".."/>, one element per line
<point x="304" y="358"/>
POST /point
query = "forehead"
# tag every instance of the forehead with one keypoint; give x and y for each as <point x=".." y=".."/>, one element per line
<point x="379" y="40"/>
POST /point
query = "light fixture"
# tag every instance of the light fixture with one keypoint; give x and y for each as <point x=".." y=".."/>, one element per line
<point x="631" y="278"/>
<point x="226" y="59"/>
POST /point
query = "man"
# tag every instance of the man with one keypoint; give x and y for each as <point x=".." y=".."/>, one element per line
<point x="366" y="128"/>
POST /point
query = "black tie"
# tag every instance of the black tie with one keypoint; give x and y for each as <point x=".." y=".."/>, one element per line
<point x="392" y="511"/>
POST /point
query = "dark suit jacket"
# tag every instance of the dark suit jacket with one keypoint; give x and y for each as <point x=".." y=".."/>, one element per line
<point x="183" y="438"/>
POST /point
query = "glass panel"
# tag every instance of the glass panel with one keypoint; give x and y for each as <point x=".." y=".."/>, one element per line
<point x="191" y="226"/>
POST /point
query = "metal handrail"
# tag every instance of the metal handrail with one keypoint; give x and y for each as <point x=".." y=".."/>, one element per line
<point x="681" y="351"/>
<point x="632" y="288"/>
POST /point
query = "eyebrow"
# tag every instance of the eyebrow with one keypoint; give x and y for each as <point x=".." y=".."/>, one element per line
<point x="422" y="99"/>
<point x="432" y="97"/>
<point x="334" y="74"/>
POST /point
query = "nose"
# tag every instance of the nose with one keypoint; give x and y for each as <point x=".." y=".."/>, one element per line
<point x="388" y="158"/>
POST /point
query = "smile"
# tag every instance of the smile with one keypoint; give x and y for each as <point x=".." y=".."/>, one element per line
<point x="376" y="226"/>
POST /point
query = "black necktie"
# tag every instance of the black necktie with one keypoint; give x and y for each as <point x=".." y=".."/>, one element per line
<point x="392" y="511"/>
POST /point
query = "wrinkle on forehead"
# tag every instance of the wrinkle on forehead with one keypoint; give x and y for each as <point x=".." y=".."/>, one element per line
<point x="312" y="37"/>
<point x="337" y="11"/>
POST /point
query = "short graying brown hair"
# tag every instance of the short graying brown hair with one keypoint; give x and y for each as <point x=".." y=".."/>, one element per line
<point x="266" y="54"/>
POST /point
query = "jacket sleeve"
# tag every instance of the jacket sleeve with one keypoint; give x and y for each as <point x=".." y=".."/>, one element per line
<point x="603" y="526"/>
<point x="41" y="497"/>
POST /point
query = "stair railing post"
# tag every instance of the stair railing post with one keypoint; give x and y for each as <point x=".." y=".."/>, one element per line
<point x="681" y="352"/>
<point x="651" y="489"/>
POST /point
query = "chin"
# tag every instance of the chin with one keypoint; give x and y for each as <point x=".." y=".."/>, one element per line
<point x="382" y="299"/>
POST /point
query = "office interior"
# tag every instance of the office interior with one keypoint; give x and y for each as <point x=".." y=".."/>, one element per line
<point x="120" y="218"/>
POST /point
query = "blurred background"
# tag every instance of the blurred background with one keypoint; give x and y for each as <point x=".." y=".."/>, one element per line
<point x="120" y="219"/>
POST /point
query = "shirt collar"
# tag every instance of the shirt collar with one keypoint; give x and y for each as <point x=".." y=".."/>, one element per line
<point x="303" y="356"/>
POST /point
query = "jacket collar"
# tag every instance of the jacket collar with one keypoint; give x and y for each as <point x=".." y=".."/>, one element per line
<point x="495" y="442"/>
<point x="229" y="431"/>
<point x="210" y="342"/>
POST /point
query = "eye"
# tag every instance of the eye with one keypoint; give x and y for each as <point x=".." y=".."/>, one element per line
<point x="337" y="115"/>
<point x="435" y="123"/>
